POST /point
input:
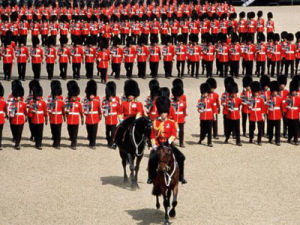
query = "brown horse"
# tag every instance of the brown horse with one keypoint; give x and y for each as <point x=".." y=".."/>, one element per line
<point x="166" y="181"/>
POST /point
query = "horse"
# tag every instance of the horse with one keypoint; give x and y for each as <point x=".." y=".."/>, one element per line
<point x="166" y="181"/>
<point x="131" y="137"/>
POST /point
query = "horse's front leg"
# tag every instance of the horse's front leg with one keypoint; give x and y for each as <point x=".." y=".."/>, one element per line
<point x="172" y="212"/>
<point x="166" y="206"/>
<point x="124" y="162"/>
<point x="131" y="166"/>
<point x="137" y="167"/>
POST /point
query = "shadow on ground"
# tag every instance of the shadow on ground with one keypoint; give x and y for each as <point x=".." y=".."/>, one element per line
<point x="147" y="216"/>
<point x="117" y="181"/>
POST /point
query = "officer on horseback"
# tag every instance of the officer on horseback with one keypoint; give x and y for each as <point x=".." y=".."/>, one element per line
<point x="164" y="133"/>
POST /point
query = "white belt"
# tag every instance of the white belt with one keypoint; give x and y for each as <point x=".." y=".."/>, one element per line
<point x="276" y="53"/>
<point x="179" y="113"/>
<point x="274" y="108"/>
<point x="291" y="52"/>
<point x="206" y="110"/>
<point x="129" y="55"/>
<point x="153" y="113"/>
<point x="256" y="109"/>
<point x="50" y="56"/>
<point x="113" y="113"/>
<point x="56" y="113"/>
<point x="1" y="112"/>
<point x="64" y="55"/>
<point x="92" y="113"/>
<point x="154" y="54"/>
<point x="223" y="53"/>
<point x="234" y="109"/>
<point x="77" y="55"/>
<point x="209" y="53"/>
<point x="19" y="114"/>
<point x="38" y="112"/>
<point x="73" y="113"/>
<point x="293" y="108"/>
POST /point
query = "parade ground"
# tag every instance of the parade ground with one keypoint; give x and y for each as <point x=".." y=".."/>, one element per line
<point x="227" y="184"/>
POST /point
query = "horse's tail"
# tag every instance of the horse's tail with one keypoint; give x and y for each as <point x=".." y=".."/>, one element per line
<point x="156" y="190"/>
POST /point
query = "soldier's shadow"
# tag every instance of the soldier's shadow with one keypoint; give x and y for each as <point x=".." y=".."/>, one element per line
<point x="116" y="181"/>
<point x="147" y="216"/>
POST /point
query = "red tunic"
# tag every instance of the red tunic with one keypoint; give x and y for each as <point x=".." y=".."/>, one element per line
<point x="36" y="55"/>
<point x="168" y="52"/>
<point x="64" y="54"/>
<point x="8" y="55"/>
<point x="249" y="52"/>
<point x="129" y="109"/>
<point x="17" y="111"/>
<point x="233" y="106"/>
<point x="163" y="131"/>
<point x="129" y="54"/>
<point x="50" y="54"/>
<point x="103" y="58"/>
<point x="270" y="26"/>
<point x="274" y="107"/>
<point x="257" y="108"/>
<point x="194" y="52"/>
<point x="261" y="52"/>
<point x="154" y="53"/>
<point x="92" y="111"/>
<point x="206" y="108"/>
<point x="90" y="54"/>
<point x="290" y="51"/>
<point x="180" y="110"/>
<point x="116" y="55"/>
<point x="74" y="112"/>
<point x="77" y="54"/>
<point x="142" y="53"/>
<point x="111" y="111"/>
<point x="38" y="111"/>
<point x="235" y="52"/>
<point x="181" y="52"/>
<point x="22" y="54"/>
<point x="56" y="111"/>
<point x="292" y="107"/>
<point x="3" y="108"/>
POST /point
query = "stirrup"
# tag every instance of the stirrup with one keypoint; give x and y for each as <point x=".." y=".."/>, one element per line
<point x="149" y="181"/>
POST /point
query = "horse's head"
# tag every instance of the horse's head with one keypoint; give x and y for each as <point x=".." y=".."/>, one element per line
<point x="144" y="126"/>
<point x="165" y="159"/>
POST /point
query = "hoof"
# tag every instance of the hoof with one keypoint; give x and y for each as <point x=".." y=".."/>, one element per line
<point x="167" y="222"/>
<point x="158" y="206"/>
<point x="125" y="181"/>
<point x="172" y="213"/>
<point x="134" y="185"/>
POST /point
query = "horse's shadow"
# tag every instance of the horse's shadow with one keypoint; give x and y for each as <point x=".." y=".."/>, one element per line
<point x="117" y="181"/>
<point x="147" y="216"/>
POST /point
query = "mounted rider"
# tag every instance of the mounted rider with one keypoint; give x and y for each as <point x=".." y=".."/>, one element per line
<point x="164" y="133"/>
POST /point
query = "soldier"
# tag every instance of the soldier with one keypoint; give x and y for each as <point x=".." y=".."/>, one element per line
<point x="261" y="55"/>
<point x="110" y="110"/>
<point x="116" y="57"/>
<point x="249" y="55"/>
<point x="44" y="30"/>
<point x="260" y="24"/>
<point x="92" y="110"/>
<point x="55" y="106"/>
<point x="274" y="108"/>
<point x="297" y="56"/>
<point x="215" y="98"/>
<point x="276" y="55"/>
<point x="290" y="51"/>
<point x="155" y="55"/>
<point x="233" y="105"/>
<point x="23" y="30"/>
<point x="206" y="109"/>
<point x="242" y="26"/>
<point x="164" y="133"/>
<point x="270" y="25"/>
<point x="37" y="54"/>
<point x="291" y="109"/>
<point x="181" y="55"/>
<point x="223" y="56"/>
<point x="194" y="54"/>
<point x="7" y="55"/>
<point x="17" y="112"/>
<point x="77" y="55"/>
<point x="235" y="53"/>
<point x="74" y="112"/>
<point x="265" y="94"/>
<point x="270" y="43"/>
<point x="53" y="27"/>
<point x="256" y="107"/>
<point x="50" y="57"/>
<point x="64" y="55"/>
<point x="103" y="58"/>
<point x="168" y="52"/>
<point x="129" y="56"/>
<point x="224" y="98"/>
<point x="284" y="93"/>
<point x="22" y="54"/>
<point x="142" y="53"/>
<point x="39" y="115"/>
<point x="90" y="56"/>
<point x="245" y="96"/>
<point x="251" y="25"/>
<point x="3" y="112"/>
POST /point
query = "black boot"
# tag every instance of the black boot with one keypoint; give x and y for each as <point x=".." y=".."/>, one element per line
<point x="181" y="173"/>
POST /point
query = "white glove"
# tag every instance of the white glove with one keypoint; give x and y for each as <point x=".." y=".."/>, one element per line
<point x="154" y="147"/>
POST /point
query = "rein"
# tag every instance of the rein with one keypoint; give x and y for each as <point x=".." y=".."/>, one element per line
<point x="136" y="145"/>
<point x="168" y="178"/>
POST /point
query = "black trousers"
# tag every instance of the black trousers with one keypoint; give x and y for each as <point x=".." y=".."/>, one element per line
<point x="168" y="65"/>
<point x="23" y="39"/>
<point x="54" y="39"/>
<point x="21" y="70"/>
<point x="76" y="70"/>
<point x="297" y="65"/>
<point x="44" y="39"/>
<point x="123" y="38"/>
<point x="215" y="126"/>
<point x="293" y="126"/>
<point x="289" y="63"/>
<point x="268" y="65"/>
<point x="63" y="67"/>
<point x="73" y="133"/>
<point x="209" y="68"/>
<point x="56" y="134"/>
<point x="244" y="122"/>
<point x="181" y="133"/>
<point x="92" y="133"/>
<point x="1" y="129"/>
<point x="249" y="67"/>
<point x="116" y="68"/>
<point x="7" y="67"/>
<point x="195" y="69"/>
<point x="223" y="69"/>
<point x="205" y="129"/>
<point x="89" y="68"/>
<point x="50" y="70"/>
<point x="38" y="134"/>
<point x="163" y="38"/>
<point x="233" y="126"/>
<point x="36" y="68"/>
<point x="224" y="124"/>
<point x="154" y="69"/>
<point x="180" y="68"/>
<point x="282" y="65"/>
<point x="31" y="128"/>
<point x="234" y="68"/>
<point x="17" y="133"/>
<point x="128" y="68"/>
<point x="271" y="125"/>
<point x="185" y="38"/>
<point x="273" y="64"/>
<point x="141" y="69"/>
<point x="285" y="125"/>
<point x="110" y="133"/>
<point x="252" y="129"/>
<point x="260" y="68"/>
<point x="174" y="39"/>
<point x="146" y="37"/>
<point x="103" y="74"/>
<point x="153" y="162"/>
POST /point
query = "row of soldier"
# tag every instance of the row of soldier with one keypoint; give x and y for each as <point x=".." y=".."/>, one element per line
<point x="284" y="55"/>
<point x="259" y="102"/>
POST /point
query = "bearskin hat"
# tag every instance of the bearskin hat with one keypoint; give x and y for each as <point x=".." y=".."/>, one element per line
<point x="32" y="84"/>
<point x="18" y="91"/>
<point x="110" y="89"/>
<point x="153" y="83"/>
<point x="15" y="83"/>
<point x="228" y="80"/>
<point x="274" y="86"/>
<point x="261" y="37"/>
<point x="35" y="41"/>
<point x="128" y="41"/>
<point x="212" y="82"/>
<point x="284" y="35"/>
<point x="180" y="38"/>
<point x="142" y="40"/>
<point x="163" y="104"/>
<point x="37" y="91"/>
<point x="177" y="91"/>
<point x="153" y="39"/>
<point x="164" y="91"/>
<point x="56" y="89"/>
<point x="282" y="80"/>
<point x="232" y="16"/>
<point x="249" y="37"/>
<point x="233" y="88"/>
<point x="296" y="79"/>
<point x="247" y="80"/>
<point x="270" y="15"/>
<point x="73" y="88"/>
<point x="63" y="40"/>
<point x="104" y="43"/>
<point x="255" y="86"/>
<point x="50" y="41"/>
<point x="91" y="88"/>
<point x="270" y="37"/>
<point x="234" y="38"/>
<point x="276" y="37"/>
<point x="194" y="38"/>
<point x="294" y="86"/>
<point x="264" y="81"/>
<point x="259" y="13"/>
<point x="131" y="87"/>
<point x="155" y="91"/>
<point x="8" y="38"/>
<point x="177" y="83"/>
<point x="242" y="14"/>
<point x="290" y="37"/>
<point x="251" y="15"/>
<point x="297" y="35"/>
<point x="209" y="38"/>
<point x="204" y="88"/>
<point x="1" y="90"/>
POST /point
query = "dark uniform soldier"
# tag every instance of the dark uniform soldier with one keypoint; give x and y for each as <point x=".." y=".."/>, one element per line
<point x="164" y="134"/>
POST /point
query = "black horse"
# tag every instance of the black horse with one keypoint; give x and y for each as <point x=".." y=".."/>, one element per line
<point x="131" y="136"/>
